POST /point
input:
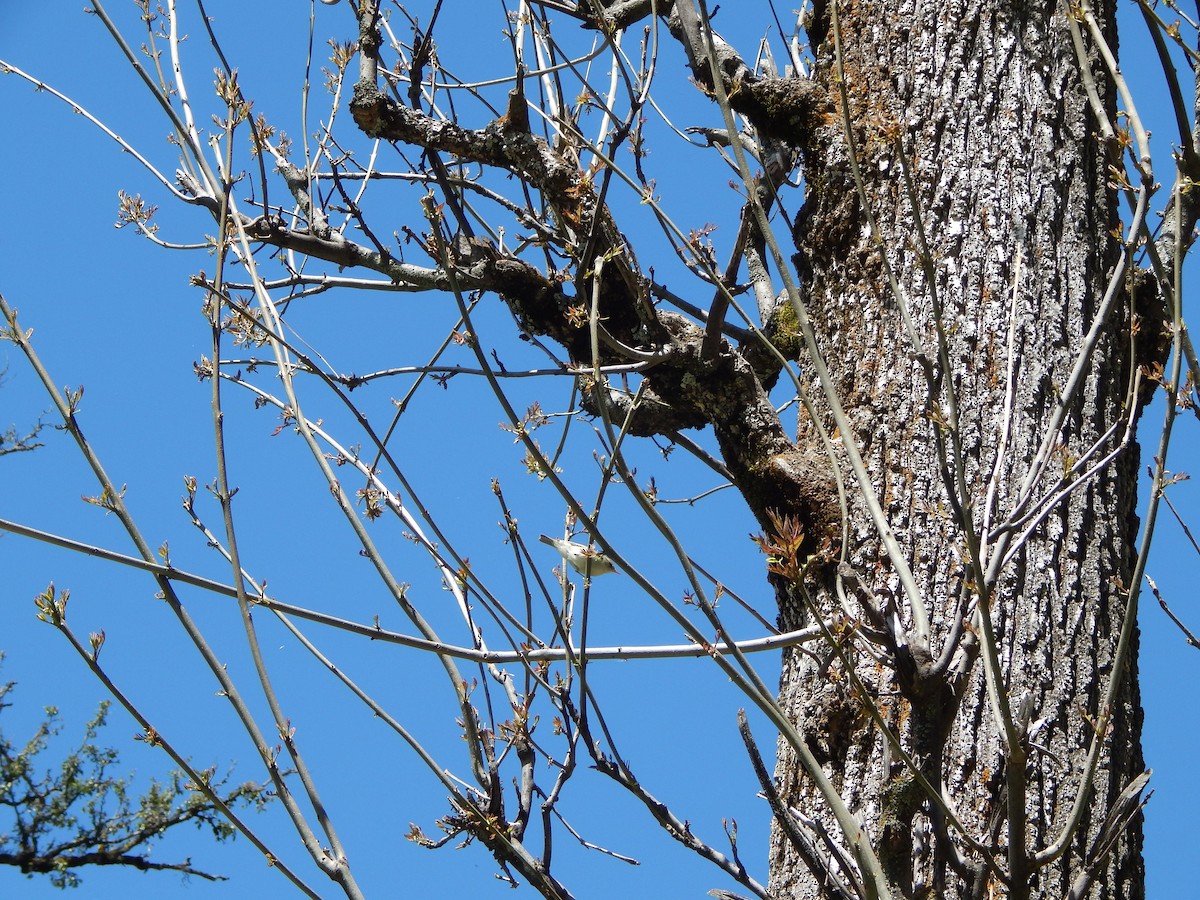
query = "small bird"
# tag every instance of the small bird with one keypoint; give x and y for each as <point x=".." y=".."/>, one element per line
<point x="580" y="557"/>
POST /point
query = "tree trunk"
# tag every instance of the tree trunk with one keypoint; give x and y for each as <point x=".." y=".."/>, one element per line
<point x="983" y="101"/>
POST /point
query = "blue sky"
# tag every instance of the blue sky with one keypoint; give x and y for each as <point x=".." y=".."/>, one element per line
<point x="115" y="313"/>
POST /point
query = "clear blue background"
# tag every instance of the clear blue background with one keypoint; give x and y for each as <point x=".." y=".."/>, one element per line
<point x="117" y="314"/>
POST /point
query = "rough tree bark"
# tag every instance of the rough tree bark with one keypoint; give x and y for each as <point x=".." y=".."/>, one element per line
<point x="984" y="101"/>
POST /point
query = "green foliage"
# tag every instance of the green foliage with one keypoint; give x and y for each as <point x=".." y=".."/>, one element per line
<point x="57" y="819"/>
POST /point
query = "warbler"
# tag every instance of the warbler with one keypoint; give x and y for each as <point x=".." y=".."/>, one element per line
<point x="582" y="558"/>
